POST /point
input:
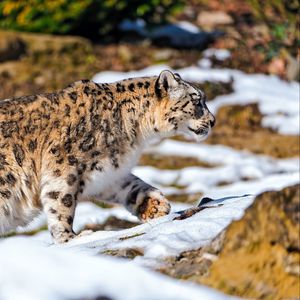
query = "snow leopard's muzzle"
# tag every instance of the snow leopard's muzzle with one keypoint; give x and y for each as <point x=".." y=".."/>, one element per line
<point x="202" y="122"/>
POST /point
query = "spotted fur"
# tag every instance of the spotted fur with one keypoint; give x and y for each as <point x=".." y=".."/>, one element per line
<point x="60" y="148"/>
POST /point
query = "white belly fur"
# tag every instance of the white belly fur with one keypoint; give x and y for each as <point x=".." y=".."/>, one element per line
<point x="98" y="182"/>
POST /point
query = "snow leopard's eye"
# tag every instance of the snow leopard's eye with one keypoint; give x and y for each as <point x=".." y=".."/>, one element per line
<point x="196" y="101"/>
<point x="200" y="99"/>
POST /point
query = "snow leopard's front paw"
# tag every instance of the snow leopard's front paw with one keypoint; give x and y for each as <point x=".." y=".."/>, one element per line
<point x="153" y="205"/>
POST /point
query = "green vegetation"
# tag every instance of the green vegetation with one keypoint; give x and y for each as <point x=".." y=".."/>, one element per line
<point x="270" y="10"/>
<point x="280" y="16"/>
<point x="86" y="17"/>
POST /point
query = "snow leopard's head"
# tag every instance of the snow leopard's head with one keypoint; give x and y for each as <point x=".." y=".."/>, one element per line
<point x="183" y="106"/>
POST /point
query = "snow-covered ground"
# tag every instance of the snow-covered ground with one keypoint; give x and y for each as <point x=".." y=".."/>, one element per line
<point x="165" y="236"/>
<point x="30" y="271"/>
<point x="33" y="268"/>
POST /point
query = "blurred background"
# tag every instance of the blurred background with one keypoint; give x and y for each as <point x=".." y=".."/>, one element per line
<point x="57" y="42"/>
<point x="45" y="45"/>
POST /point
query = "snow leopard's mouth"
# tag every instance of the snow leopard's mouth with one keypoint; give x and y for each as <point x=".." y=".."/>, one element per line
<point x="203" y="130"/>
<point x="199" y="134"/>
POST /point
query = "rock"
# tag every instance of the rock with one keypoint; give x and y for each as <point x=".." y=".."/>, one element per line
<point x="255" y="257"/>
<point x="193" y="265"/>
<point x="211" y="19"/>
<point x="180" y="35"/>
<point x="260" y="254"/>
<point x="36" y="63"/>
<point x="111" y="223"/>
<point x="163" y="55"/>
<point x="293" y="68"/>
<point x="277" y="66"/>
<point x="14" y="44"/>
<point x="129" y="253"/>
<point x="239" y="126"/>
<point x="39" y="43"/>
<point x="11" y="46"/>
<point x="124" y="54"/>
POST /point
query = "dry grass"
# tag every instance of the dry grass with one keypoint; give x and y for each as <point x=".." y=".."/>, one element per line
<point x="172" y="162"/>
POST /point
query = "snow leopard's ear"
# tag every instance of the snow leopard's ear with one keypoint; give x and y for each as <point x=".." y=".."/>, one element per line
<point x="177" y="76"/>
<point x="166" y="81"/>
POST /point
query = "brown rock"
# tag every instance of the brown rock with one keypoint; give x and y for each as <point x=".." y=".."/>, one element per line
<point x="293" y="68"/>
<point x="50" y="62"/>
<point x="277" y="66"/>
<point x="193" y="265"/>
<point x="211" y="19"/>
<point x="39" y="43"/>
<point x="260" y="254"/>
<point x="255" y="257"/>
<point x="129" y="253"/>
<point x="11" y="46"/>
<point x="240" y="127"/>
<point x="111" y="223"/>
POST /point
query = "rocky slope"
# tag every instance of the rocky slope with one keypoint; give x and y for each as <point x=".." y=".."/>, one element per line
<point x="257" y="256"/>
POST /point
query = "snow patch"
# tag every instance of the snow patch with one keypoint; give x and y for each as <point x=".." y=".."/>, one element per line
<point x="219" y="54"/>
<point x="35" y="272"/>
